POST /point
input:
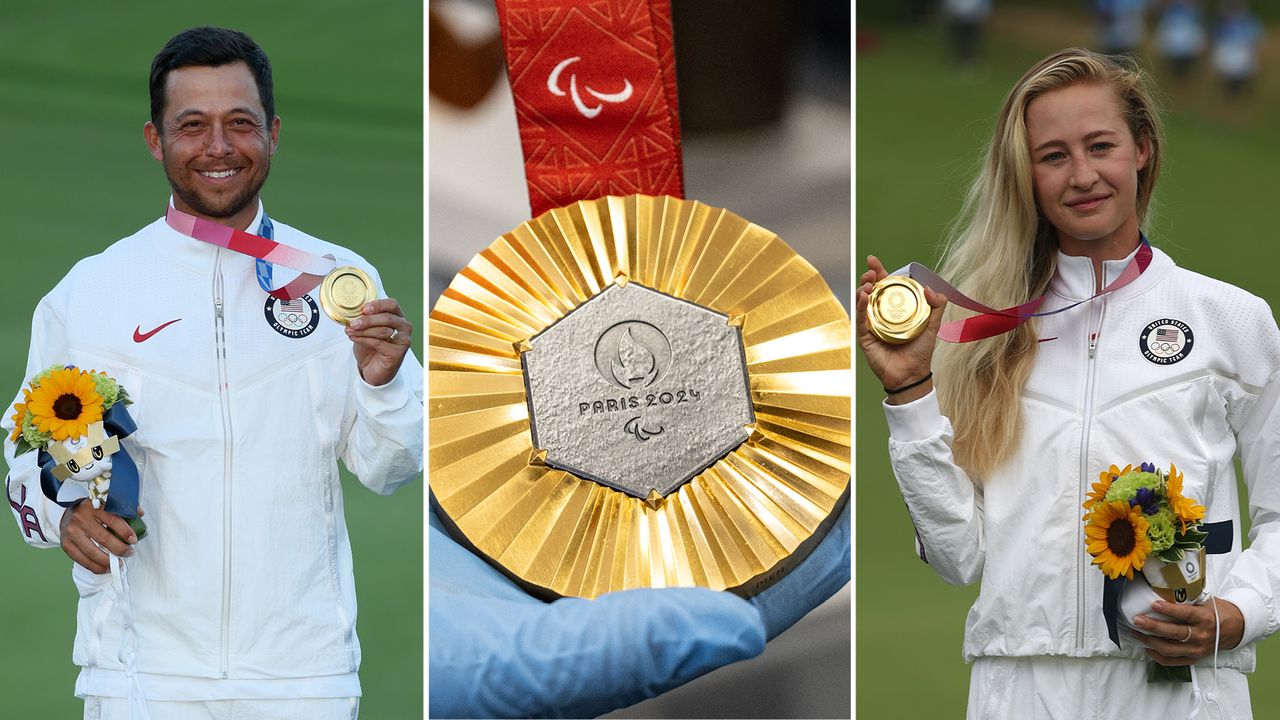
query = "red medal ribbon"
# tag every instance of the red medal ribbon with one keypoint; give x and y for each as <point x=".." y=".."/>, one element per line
<point x="595" y="93"/>
<point x="990" y="322"/>
<point x="312" y="267"/>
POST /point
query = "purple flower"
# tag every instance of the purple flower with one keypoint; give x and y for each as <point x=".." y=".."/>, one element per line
<point x="1146" y="499"/>
<point x="1148" y="467"/>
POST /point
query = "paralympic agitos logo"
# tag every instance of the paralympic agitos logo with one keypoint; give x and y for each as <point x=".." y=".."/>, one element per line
<point x="587" y="111"/>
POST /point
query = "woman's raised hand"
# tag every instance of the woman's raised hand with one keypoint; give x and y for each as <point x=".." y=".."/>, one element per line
<point x="898" y="365"/>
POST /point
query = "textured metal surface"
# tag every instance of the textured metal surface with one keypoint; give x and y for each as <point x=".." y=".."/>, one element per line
<point x="637" y="390"/>
<point x="897" y="311"/>
<point x="344" y="292"/>
<point x="738" y="525"/>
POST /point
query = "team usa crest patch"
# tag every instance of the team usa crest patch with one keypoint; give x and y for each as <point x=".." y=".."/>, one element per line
<point x="296" y="318"/>
<point x="1165" y="342"/>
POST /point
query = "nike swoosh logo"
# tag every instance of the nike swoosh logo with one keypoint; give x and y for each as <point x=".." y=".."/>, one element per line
<point x="139" y="336"/>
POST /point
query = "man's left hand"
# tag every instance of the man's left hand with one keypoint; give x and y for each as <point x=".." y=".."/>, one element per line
<point x="1166" y="644"/>
<point x="382" y="336"/>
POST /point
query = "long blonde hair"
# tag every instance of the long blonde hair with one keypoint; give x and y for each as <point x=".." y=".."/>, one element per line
<point x="1003" y="252"/>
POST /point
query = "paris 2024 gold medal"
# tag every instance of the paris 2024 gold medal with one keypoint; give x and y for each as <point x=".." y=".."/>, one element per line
<point x="639" y="392"/>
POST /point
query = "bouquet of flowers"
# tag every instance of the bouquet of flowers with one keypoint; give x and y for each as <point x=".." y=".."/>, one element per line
<point x="1139" y="520"/>
<point x="74" y="419"/>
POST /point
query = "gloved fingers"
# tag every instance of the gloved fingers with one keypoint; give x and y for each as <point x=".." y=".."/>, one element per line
<point x="818" y="577"/>
<point x="587" y="657"/>
<point x="582" y="658"/>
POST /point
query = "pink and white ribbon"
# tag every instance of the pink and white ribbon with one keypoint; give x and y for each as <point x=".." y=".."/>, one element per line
<point x="989" y="321"/>
<point x="312" y="268"/>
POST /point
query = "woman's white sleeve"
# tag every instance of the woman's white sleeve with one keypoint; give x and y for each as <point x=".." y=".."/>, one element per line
<point x="945" y="504"/>
<point x="1254" y="582"/>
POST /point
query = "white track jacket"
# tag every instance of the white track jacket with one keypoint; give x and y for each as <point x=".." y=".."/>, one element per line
<point x="244" y="405"/>
<point x="1173" y="368"/>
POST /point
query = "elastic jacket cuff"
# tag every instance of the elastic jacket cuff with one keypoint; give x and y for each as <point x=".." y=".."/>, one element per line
<point x="1254" y="609"/>
<point x="917" y="420"/>
<point x="378" y="399"/>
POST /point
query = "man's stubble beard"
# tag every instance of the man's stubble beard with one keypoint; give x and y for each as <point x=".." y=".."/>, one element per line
<point x="230" y="207"/>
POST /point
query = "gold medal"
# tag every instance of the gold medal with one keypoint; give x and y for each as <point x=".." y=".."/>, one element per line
<point x="579" y="440"/>
<point x="344" y="292"/>
<point x="897" y="311"/>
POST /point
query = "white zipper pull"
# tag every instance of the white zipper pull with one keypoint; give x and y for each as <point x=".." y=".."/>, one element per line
<point x="217" y="310"/>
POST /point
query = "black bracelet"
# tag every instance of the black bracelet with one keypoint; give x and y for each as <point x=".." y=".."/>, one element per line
<point x="904" y="388"/>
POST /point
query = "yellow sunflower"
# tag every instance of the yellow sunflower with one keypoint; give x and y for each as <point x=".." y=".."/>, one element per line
<point x="1184" y="508"/>
<point x="1101" y="487"/>
<point x="1116" y="537"/>
<point x="19" y="412"/>
<point x="65" y="403"/>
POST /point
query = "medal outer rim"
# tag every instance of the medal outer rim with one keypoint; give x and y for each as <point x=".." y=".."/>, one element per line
<point x="903" y="332"/>
<point x="330" y="306"/>
<point x="744" y="586"/>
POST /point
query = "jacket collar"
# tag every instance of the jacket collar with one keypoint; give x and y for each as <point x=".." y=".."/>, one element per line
<point x="190" y="252"/>
<point x="1075" y="279"/>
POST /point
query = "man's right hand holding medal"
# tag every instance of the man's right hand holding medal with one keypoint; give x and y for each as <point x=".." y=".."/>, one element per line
<point x="905" y="370"/>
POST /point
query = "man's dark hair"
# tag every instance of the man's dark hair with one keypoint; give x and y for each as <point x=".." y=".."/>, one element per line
<point x="212" y="47"/>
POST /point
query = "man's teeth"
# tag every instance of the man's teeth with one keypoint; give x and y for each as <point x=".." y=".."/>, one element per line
<point x="218" y="174"/>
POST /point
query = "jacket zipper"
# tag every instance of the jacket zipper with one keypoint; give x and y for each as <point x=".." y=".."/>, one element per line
<point x="221" y="340"/>
<point x="1095" y="332"/>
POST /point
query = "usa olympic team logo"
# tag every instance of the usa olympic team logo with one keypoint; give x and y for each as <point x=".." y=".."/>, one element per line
<point x="1165" y="342"/>
<point x="296" y="318"/>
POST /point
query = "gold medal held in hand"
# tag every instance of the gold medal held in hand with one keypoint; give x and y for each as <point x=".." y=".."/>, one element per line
<point x="638" y="392"/>
<point x="344" y="292"/>
<point x="897" y="311"/>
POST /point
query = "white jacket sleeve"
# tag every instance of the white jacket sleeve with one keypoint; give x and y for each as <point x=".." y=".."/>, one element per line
<point x="382" y="426"/>
<point x="38" y="517"/>
<point x="945" y="505"/>
<point x="1254" y="582"/>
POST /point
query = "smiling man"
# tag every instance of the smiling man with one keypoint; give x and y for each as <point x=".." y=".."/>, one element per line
<point x="240" y="600"/>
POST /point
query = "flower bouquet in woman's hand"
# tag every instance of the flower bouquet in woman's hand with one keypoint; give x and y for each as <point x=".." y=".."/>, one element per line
<point x="1139" y="520"/>
<point x="74" y="419"/>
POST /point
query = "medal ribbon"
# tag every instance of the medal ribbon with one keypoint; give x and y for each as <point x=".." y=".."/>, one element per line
<point x="312" y="267"/>
<point x="990" y="321"/>
<point x="595" y="94"/>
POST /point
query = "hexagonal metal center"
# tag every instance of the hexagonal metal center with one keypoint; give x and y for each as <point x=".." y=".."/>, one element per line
<point x="637" y="390"/>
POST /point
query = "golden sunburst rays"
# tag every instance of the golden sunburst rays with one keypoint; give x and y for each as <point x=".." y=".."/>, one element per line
<point x="739" y="524"/>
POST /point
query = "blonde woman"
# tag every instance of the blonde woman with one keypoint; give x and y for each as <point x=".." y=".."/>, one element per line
<point x="995" y="443"/>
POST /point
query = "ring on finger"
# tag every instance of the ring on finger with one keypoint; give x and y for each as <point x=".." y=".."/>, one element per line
<point x="394" y="332"/>
<point x="1188" y="637"/>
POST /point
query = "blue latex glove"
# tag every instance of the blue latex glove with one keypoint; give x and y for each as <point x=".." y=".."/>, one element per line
<point x="495" y="651"/>
<point x="825" y="571"/>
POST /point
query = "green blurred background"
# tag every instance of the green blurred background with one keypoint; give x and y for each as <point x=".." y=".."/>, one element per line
<point x="921" y="125"/>
<point x="77" y="176"/>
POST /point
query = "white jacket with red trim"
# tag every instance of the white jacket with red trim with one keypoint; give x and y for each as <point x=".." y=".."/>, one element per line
<point x="1182" y="369"/>
<point x="244" y="406"/>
